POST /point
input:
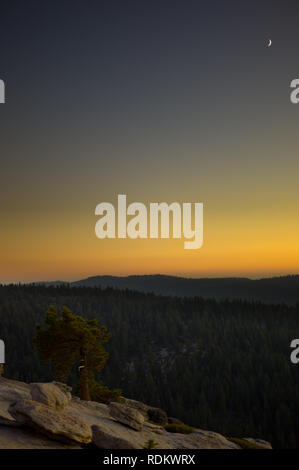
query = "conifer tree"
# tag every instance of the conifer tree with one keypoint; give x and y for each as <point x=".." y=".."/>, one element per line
<point x="69" y="339"/>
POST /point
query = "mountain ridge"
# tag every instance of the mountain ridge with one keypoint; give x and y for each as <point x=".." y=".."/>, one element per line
<point x="279" y="289"/>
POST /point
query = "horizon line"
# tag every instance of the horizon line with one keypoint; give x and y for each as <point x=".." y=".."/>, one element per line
<point x="149" y="275"/>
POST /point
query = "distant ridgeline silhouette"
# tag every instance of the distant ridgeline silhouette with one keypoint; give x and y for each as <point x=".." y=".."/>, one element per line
<point x="284" y="289"/>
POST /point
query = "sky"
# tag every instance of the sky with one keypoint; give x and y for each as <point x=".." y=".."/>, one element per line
<point x="176" y="100"/>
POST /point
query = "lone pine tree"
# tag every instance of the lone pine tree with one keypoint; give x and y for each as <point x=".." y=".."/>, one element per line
<point x="69" y="339"/>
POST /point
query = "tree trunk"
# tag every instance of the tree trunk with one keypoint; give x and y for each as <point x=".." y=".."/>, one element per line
<point x="84" y="387"/>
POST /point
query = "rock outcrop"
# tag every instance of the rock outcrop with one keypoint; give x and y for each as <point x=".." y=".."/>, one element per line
<point x="157" y="416"/>
<point x="10" y="392"/>
<point x="149" y="412"/>
<point x="126" y="415"/>
<point x="51" y="394"/>
<point x="106" y="440"/>
<point x="46" y="416"/>
<point x="46" y="420"/>
<point x="258" y="442"/>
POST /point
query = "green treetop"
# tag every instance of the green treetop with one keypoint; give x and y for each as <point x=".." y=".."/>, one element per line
<point x="69" y="339"/>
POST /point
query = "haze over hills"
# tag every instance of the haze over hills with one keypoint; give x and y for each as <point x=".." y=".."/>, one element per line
<point x="284" y="289"/>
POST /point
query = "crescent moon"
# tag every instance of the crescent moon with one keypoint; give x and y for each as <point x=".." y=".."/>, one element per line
<point x="270" y="43"/>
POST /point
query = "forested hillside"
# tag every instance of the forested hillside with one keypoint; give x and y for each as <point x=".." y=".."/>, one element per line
<point x="283" y="289"/>
<point x="223" y="366"/>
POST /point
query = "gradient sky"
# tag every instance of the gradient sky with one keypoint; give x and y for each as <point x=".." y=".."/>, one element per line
<point x="159" y="100"/>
